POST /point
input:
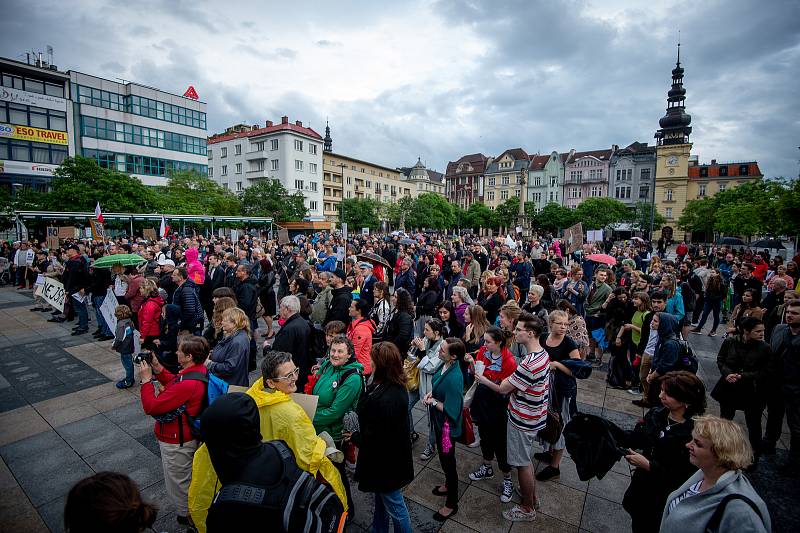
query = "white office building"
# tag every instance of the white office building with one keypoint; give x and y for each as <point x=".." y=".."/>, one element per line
<point x="288" y="152"/>
<point x="136" y="129"/>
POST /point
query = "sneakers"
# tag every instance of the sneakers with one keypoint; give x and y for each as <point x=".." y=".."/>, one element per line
<point x="634" y="391"/>
<point x="516" y="514"/>
<point x="483" y="472"/>
<point x="508" y="490"/>
<point x="696" y="330"/>
<point x="124" y="384"/>
<point x="544" y="457"/>
<point x="427" y="453"/>
<point x="548" y="473"/>
<point x="712" y="333"/>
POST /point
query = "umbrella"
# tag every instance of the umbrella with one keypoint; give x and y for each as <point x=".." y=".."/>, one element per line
<point x="775" y="244"/>
<point x="637" y="239"/>
<point x="735" y="241"/>
<point x="407" y="241"/>
<point x="602" y="258"/>
<point x="119" y="259"/>
<point x="373" y="258"/>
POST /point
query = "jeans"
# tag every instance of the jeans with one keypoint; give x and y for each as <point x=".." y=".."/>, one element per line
<point x="390" y="505"/>
<point x="83" y="313"/>
<point x="127" y="364"/>
<point x="413" y="398"/>
<point x="711" y="305"/>
<point x="97" y="301"/>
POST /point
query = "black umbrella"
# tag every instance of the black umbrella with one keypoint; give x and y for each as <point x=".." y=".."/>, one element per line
<point x="734" y="241"/>
<point x="774" y="244"/>
<point x="407" y="241"/>
<point x="373" y="258"/>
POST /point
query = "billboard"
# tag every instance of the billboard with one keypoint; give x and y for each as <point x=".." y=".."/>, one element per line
<point x="29" y="133"/>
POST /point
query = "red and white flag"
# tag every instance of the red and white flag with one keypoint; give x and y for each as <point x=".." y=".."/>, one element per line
<point x="98" y="214"/>
<point x="164" y="227"/>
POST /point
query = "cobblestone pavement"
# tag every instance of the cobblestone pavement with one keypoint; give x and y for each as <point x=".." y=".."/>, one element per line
<point x="62" y="419"/>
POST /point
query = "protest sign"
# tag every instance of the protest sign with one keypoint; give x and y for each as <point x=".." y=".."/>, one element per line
<point x="52" y="243"/>
<point x="574" y="237"/>
<point x="340" y="253"/>
<point x="283" y="236"/>
<point x="66" y="232"/>
<point x="107" y="309"/>
<point x="149" y="234"/>
<point x="364" y="231"/>
<point x="97" y="229"/>
<point x="53" y="293"/>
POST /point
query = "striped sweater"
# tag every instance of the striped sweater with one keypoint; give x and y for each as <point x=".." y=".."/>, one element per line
<point x="527" y="408"/>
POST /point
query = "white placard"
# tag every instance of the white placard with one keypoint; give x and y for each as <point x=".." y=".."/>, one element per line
<point x="13" y="167"/>
<point x="18" y="96"/>
<point x="340" y="253"/>
<point x="53" y="293"/>
<point x="364" y="231"/>
<point x="107" y="309"/>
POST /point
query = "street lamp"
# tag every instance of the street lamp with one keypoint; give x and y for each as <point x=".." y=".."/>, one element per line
<point x="341" y="202"/>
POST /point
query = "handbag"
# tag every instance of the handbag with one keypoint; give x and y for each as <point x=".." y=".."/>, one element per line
<point x="411" y="370"/>
<point x="470" y="394"/>
<point x="736" y="395"/>
<point x="554" y="424"/>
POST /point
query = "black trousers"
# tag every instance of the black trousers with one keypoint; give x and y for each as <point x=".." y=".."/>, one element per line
<point x="752" y="417"/>
<point x="448" y="462"/>
<point x="494" y="443"/>
<point x="775" y="413"/>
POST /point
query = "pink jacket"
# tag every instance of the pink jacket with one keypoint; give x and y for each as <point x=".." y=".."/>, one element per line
<point x="194" y="267"/>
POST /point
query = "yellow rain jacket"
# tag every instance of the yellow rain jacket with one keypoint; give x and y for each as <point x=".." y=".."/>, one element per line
<point x="281" y="419"/>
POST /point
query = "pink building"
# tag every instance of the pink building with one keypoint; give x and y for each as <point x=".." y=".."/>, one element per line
<point x="586" y="176"/>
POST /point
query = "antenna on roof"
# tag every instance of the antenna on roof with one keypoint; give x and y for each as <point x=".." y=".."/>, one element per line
<point x="679" y="47"/>
<point x="50" y="54"/>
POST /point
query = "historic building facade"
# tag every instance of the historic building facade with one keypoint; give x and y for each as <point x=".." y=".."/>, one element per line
<point x="546" y="179"/>
<point x="632" y="173"/>
<point x="462" y="179"/>
<point x="586" y="176"/>
<point x="503" y="176"/>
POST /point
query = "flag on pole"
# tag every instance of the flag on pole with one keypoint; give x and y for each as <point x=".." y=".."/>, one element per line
<point x="98" y="214"/>
<point x="164" y="228"/>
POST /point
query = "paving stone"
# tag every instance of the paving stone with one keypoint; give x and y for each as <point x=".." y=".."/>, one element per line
<point x="21" y="423"/>
<point x="420" y="489"/>
<point x="560" y="502"/>
<point x="611" y="487"/>
<point x="132" y="458"/>
<point x="94" y="435"/>
<point x="34" y="447"/>
<point x="602" y="516"/>
<point x="543" y="522"/>
<point x="132" y="419"/>
<point x="53" y="514"/>
<point x="51" y="476"/>
<point x="481" y="511"/>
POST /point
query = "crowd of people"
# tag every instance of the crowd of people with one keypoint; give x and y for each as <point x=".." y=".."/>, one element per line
<point x="488" y="335"/>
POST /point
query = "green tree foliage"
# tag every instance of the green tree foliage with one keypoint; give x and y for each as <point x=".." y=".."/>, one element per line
<point x="190" y="193"/>
<point x="396" y="213"/>
<point x="478" y="215"/>
<point x="79" y="183"/>
<point x="506" y="213"/>
<point x="699" y="215"/>
<point x="553" y="218"/>
<point x="431" y="211"/>
<point x="360" y="213"/>
<point x="640" y="217"/>
<point x="597" y="213"/>
<point x="268" y="198"/>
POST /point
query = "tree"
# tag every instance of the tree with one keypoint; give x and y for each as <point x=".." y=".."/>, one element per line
<point x="431" y="211"/>
<point x="360" y="213"/>
<point x="190" y="193"/>
<point x="699" y="216"/>
<point x="79" y="183"/>
<point x="597" y="213"/>
<point x="268" y="198"/>
<point x="506" y="213"/>
<point x="396" y="212"/>
<point x="640" y="217"/>
<point x="553" y="218"/>
<point x="478" y="215"/>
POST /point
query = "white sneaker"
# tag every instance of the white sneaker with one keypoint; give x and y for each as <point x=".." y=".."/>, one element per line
<point x="508" y="491"/>
<point x="483" y="472"/>
<point x="516" y="514"/>
<point x="427" y="453"/>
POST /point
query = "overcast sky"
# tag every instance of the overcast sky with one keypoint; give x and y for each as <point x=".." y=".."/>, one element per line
<point x="438" y="80"/>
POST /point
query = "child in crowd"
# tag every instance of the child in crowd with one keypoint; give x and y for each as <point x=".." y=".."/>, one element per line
<point x="123" y="343"/>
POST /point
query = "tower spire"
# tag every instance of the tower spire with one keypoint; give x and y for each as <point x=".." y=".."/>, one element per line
<point x="675" y="123"/>
<point x="328" y="142"/>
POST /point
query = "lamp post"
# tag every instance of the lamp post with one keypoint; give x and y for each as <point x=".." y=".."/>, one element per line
<point x="521" y="211"/>
<point x="341" y="202"/>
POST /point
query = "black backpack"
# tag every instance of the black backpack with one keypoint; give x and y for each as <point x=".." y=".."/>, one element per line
<point x="295" y="499"/>
<point x="687" y="360"/>
<point x="317" y="347"/>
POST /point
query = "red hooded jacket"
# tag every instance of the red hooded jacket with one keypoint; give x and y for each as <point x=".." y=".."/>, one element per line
<point x="360" y="333"/>
<point x="150" y="317"/>
<point x="194" y="267"/>
<point x="175" y="394"/>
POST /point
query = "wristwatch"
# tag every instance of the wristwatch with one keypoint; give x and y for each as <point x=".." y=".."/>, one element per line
<point x="434" y="403"/>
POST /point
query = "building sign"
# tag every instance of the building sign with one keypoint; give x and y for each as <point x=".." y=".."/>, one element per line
<point x="28" y="133"/>
<point x="191" y="93"/>
<point x="21" y="167"/>
<point x="16" y="96"/>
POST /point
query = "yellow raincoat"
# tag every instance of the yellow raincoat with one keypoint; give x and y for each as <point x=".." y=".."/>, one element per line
<point x="281" y="419"/>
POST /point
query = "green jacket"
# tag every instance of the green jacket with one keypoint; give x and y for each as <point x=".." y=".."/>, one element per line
<point x="594" y="303"/>
<point x="449" y="390"/>
<point x="335" y="401"/>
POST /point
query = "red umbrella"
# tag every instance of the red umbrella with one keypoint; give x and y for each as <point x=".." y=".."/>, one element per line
<point x="602" y="258"/>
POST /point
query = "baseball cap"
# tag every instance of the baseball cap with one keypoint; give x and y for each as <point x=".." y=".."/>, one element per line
<point x="166" y="262"/>
<point x="339" y="273"/>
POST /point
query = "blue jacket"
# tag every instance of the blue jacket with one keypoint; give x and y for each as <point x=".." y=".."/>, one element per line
<point x="328" y="264"/>
<point x="186" y="297"/>
<point x="230" y="358"/>
<point x="522" y="270"/>
<point x="407" y="281"/>
<point x="667" y="350"/>
<point x="675" y="305"/>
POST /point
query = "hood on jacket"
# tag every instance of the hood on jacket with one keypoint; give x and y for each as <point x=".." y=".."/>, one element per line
<point x="264" y="396"/>
<point x="231" y="427"/>
<point x="668" y="325"/>
<point x="158" y="300"/>
<point x="173" y="314"/>
<point x="191" y="255"/>
<point x="363" y="323"/>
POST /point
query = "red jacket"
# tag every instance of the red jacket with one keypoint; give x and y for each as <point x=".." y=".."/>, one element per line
<point x="760" y="270"/>
<point x="150" y="317"/>
<point x="175" y="394"/>
<point x="360" y="333"/>
<point x="133" y="294"/>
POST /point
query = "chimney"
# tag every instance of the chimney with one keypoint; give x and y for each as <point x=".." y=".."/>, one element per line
<point x="269" y="123"/>
<point x="614" y="148"/>
<point x="298" y="123"/>
<point x="713" y="161"/>
<point x="284" y="119"/>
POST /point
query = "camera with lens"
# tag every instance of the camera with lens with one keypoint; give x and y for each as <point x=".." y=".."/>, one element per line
<point x="147" y="357"/>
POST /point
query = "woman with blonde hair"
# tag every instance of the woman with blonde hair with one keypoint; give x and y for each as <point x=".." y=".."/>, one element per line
<point x="213" y="332"/>
<point x="477" y="324"/>
<point x="229" y="359"/>
<point x="718" y="497"/>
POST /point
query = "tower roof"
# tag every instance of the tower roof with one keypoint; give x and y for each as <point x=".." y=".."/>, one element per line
<point x="675" y="123"/>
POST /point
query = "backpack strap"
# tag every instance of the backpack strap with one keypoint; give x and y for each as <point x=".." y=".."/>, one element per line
<point x="716" y="518"/>
<point x="195" y="376"/>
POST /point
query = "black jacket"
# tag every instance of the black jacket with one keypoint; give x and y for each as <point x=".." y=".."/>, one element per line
<point x="100" y="281"/>
<point x="751" y="359"/>
<point x="166" y="283"/>
<point x="247" y="296"/>
<point x="212" y="282"/>
<point x="186" y="298"/>
<point x="400" y="331"/>
<point x="426" y="304"/>
<point x="340" y="305"/>
<point x="594" y="443"/>
<point x="76" y="275"/>
<point x="293" y="337"/>
<point x="383" y="433"/>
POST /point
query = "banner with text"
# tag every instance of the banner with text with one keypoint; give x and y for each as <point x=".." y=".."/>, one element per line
<point x="574" y="237"/>
<point x="53" y="293"/>
<point x="28" y="133"/>
<point x="18" y="96"/>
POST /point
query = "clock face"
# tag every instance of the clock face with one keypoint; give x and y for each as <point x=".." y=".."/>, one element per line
<point x="672" y="160"/>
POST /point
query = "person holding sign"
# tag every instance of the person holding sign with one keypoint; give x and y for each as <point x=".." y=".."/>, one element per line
<point x="76" y="282"/>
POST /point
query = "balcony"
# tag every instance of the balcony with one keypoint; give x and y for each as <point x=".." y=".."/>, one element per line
<point x="256" y="174"/>
<point x="255" y="155"/>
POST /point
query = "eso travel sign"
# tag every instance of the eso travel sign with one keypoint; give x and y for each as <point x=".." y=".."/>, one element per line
<point x="28" y="133"/>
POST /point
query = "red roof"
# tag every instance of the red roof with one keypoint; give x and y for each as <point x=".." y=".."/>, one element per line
<point x="733" y="170"/>
<point x="262" y="131"/>
<point x="476" y="161"/>
<point x="516" y="153"/>
<point x="539" y="161"/>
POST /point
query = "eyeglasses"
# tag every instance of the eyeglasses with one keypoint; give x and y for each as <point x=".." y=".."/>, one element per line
<point x="290" y="376"/>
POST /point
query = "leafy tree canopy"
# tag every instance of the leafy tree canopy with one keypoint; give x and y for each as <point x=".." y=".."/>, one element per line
<point x="597" y="213"/>
<point x="190" y="193"/>
<point x="506" y="213"/>
<point x="478" y="215"/>
<point x="360" y="213"/>
<point x="552" y="218"/>
<point x="268" y="198"/>
<point x="431" y="211"/>
<point x="640" y="217"/>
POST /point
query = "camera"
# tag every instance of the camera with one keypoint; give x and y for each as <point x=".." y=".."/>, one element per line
<point x="147" y="357"/>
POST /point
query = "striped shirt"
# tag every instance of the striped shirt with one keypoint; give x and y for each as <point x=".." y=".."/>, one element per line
<point x="527" y="408"/>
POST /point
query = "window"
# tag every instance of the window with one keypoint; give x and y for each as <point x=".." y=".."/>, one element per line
<point x="701" y="189"/>
<point x="554" y="181"/>
<point x="644" y="192"/>
<point x="504" y="195"/>
<point x="619" y="173"/>
<point x="313" y="186"/>
<point x="668" y="195"/>
<point x="668" y="212"/>
<point x="210" y="172"/>
<point x="505" y="180"/>
<point x="225" y="186"/>
<point x="491" y="182"/>
<point x="298" y="184"/>
<point x="312" y="167"/>
<point x="238" y="186"/>
<point x="238" y="149"/>
<point x="312" y="205"/>
<point x="224" y="170"/>
<point x="490" y="195"/>
<point x="312" y="149"/>
<point x="553" y="196"/>
<point x="298" y="165"/>
<point x="703" y="172"/>
<point x="537" y="181"/>
<point x="224" y="152"/>
<point x="258" y="147"/>
<point x="723" y="170"/>
<point x="210" y="154"/>
<point x="238" y="168"/>
<point x="298" y="145"/>
<point x="273" y="163"/>
<point x="644" y="174"/>
<point x="722" y="187"/>
<point x="273" y="144"/>
<point x="596" y="192"/>
<point x="743" y="170"/>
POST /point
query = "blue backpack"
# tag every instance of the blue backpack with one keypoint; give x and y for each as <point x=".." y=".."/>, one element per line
<point x="214" y="388"/>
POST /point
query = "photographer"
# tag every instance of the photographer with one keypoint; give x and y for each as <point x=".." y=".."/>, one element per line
<point x="176" y="395"/>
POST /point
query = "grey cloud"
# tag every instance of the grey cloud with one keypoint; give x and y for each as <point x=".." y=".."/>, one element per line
<point x="324" y="43"/>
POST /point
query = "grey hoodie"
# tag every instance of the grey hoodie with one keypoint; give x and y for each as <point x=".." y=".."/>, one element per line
<point x="692" y="514"/>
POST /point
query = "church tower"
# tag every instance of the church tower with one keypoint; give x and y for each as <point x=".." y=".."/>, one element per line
<point x="328" y="142"/>
<point x="672" y="155"/>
